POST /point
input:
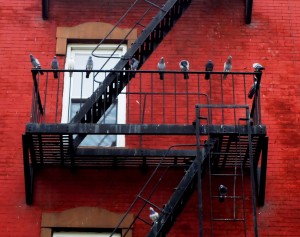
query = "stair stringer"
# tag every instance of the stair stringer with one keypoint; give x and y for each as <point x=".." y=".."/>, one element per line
<point x="119" y="79"/>
<point x="182" y="193"/>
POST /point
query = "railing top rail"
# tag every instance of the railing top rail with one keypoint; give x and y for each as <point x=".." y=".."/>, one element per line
<point x="145" y="71"/>
<point x="230" y="106"/>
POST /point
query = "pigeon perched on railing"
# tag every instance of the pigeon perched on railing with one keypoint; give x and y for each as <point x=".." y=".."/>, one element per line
<point x="89" y="66"/>
<point x="55" y="66"/>
<point x="161" y="66"/>
<point x="71" y="65"/>
<point x="227" y="66"/>
<point x="35" y="63"/>
<point x="184" y="67"/>
<point x="134" y="64"/>
<point x="254" y="88"/>
<point x="258" y="67"/>
<point x="153" y="215"/>
<point x="208" y="67"/>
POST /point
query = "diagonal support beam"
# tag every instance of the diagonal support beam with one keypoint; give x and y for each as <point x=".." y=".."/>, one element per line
<point x="263" y="173"/>
<point x="45" y="9"/>
<point x="28" y="171"/>
<point x="249" y="4"/>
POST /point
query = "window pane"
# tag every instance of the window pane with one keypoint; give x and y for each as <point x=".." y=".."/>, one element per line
<point x="77" y="88"/>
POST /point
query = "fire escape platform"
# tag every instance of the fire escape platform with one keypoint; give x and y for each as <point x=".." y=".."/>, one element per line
<point x="141" y="129"/>
<point x="52" y="145"/>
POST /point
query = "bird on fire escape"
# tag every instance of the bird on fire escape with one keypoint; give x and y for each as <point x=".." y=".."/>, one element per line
<point x="55" y="66"/>
<point x="184" y="67"/>
<point x="258" y="67"/>
<point x="89" y="66"/>
<point x="161" y="66"/>
<point x="71" y="65"/>
<point x="208" y="68"/>
<point x="253" y="90"/>
<point x="222" y="192"/>
<point x="153" y="215"/>
<point x="227" y="66"/>
<point x="35" y="63"/>
<point x="134" y="64"/>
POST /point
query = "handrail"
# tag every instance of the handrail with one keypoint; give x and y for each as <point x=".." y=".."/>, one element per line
<point x="37" y="107"/>
<point x="173" y="93"/>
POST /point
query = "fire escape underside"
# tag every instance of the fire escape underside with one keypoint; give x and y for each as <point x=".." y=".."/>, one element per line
<point x="52" y="145"/>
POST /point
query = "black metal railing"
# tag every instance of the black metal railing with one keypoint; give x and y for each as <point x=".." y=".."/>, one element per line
<point x="146" y="99"/>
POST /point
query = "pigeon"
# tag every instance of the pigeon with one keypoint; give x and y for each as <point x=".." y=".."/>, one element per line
<point x="134" y="63"/>
<point x="258" y="67"/>
<point x="55" y="66"/>
<point x="89" y="66"/>
<point x="35" y="63"/>
<point x="153" y="215"/>
<point x="161" y="66"/>
<point x="208" y="67"/>
<point x="227" y="66"/>
<point x="222" y="192"/>
<point x="184" y="67"/>
<point x="70" y="65"/>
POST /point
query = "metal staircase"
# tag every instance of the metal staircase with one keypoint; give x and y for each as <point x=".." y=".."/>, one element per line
<point x="141" y="49"/>
<point x="224" y="154"/>
<point x="174" y="206"/>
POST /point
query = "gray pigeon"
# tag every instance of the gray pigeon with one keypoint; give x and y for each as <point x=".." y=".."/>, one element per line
<point x="258" y="67"/>
<point x="184" y="67"/>
<point x="254" y="88"/>
<point x="153" y="215"/>
<point x="161" y="66"/>
<point x="71" y="65"/>
<point x="89" y="66"/>
<point x="208" y="67"/>
<point x="134" y="63"/>
<point x="227" y="66"/>
<point x="55" y="66"/>
<point x="35" y="63"/>
<point x="222" y="192"/>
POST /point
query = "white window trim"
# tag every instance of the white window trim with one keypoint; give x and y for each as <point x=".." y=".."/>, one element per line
<point x="83" y="234"/>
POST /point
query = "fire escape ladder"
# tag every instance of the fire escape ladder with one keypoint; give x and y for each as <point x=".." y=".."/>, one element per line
<point x="171" y="210"/>
<point x="227" y="161"/>
<point x="107" y="92"/>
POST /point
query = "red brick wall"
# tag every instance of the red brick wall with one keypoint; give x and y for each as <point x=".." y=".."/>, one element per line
<point x="207" y="30"/>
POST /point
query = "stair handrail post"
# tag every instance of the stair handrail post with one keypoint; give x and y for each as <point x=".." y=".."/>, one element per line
<point x="199" y="157"/>
<point x="37" y="110"/>
<point x="252" y="173"/>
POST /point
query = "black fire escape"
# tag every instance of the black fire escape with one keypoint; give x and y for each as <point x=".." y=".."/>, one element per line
<point x="229" y="137"/>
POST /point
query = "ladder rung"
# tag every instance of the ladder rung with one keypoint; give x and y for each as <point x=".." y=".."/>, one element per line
<point x="143" y="220"/>
<point x="155" y="5"/>
<point x="226" y="174"/>
<point x="229" y="197"/>
<point x="227" y="219"/>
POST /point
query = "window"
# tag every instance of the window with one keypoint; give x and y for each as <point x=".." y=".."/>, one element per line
<point x="77" y="88"/>
<point x="85" y="222"/>
<point x="83" y="234"/>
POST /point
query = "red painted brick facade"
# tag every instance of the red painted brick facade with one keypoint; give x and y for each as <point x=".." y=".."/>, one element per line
<point x="207" y="30"/>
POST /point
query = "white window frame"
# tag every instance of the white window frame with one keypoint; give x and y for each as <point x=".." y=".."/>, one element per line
<point x="83" y="234"/>
<point x="121" y="106"/>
